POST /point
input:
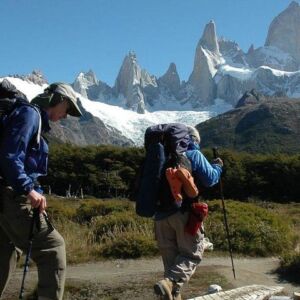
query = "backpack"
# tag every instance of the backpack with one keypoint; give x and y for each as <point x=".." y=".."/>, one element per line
<point x="10" y="99"/>
<point x="164" y="145"/>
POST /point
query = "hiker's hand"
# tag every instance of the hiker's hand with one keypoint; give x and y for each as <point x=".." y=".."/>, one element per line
<point x="37" y="200"/>
<point x="218" y="161"/>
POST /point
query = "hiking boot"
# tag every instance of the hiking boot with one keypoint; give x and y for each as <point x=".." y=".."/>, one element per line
<point x="177" y="296"/>
<point x="175" y="184"/>
<point x="164" y="288"/>
<point x="176" y="292"/>
<point x="187" y="182"/>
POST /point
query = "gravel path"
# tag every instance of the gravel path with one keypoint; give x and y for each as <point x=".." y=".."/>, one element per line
<point x="117" y="273"/>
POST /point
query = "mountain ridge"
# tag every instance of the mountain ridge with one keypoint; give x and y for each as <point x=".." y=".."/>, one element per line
<point x="212" y="75"/>
<point x="259" y="124"/>
<point x="221" y="74"/>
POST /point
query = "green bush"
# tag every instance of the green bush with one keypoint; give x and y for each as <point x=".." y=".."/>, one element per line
<point x="253" y="230"/>
<point x="92" y="208"/>
<point x="118" y="221"/>
<point x="61" y="208"/>
<point x="130" y="245"/>
<point x="290" y="267"/>
<point x="111" y="228"/>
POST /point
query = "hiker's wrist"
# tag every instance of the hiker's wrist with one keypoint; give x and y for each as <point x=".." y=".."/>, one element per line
<point x="27" y="189"/>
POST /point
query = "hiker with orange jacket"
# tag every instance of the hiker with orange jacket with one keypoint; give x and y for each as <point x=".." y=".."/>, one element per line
<point x="178" y="230"/>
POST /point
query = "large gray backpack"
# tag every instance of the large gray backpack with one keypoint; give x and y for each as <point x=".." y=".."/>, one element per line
<point x="164" y="145"/>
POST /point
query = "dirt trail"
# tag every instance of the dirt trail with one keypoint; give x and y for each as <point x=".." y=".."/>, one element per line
<point x="135" y="274"/>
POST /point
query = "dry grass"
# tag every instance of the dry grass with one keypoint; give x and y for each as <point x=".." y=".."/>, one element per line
<point x="80" y="241"/>
<point x="110" y="228"/>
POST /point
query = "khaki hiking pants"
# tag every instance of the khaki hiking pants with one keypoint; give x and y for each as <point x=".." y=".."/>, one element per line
<point x="181" y="252"/>
<point x="48" y="247"/>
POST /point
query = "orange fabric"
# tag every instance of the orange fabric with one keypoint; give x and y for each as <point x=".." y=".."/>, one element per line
<point x="179" y="179"/>
<point x="187" y="182"/>
<point x="175" y="183"/>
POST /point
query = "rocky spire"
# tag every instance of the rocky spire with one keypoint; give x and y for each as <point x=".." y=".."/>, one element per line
<point x="209" y="38"/>
<point x="90" y="87"/>
<point x="129" y="74"/>
<point x="284" y="31"/>
<point x="207" y="58"/>
<point x="91" y="77"/>
<point x="250" y="50"/>
<point x="128" y="83"/>
<point x="84" y="81"/>
<point x="171" y="80"/>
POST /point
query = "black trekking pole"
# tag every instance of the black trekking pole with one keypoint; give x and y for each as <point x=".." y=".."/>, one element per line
<point x="34" y="219"/>
<point x="215" y="152"/>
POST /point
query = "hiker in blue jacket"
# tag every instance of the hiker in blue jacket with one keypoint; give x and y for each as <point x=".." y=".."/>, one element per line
<point x="182" y="252"/>
<point x="23" y="158"/>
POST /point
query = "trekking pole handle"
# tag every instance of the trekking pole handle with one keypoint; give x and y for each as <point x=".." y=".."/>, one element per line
<point x="215" y="152"/>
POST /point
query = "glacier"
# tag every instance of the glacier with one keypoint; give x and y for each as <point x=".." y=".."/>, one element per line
<point x="130" y="123"/>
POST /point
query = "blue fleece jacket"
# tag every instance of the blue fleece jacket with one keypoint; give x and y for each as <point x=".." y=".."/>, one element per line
<point x="23" y="160"/>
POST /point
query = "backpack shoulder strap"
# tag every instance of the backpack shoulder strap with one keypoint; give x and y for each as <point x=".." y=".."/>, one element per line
<point x="39" y="132"/>
<point x="7" y="106"/>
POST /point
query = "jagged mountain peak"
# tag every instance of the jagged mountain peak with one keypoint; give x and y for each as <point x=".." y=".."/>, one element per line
<point x="284" y="31"/>
<point x="209" y="38"/>
<point x="201" y="85"/>
<point x="171" y="72"/>
<point x="251" y="49"/>
<point x="221" y="70"/>
<point x="36" y="77"/>
<point x="232" y="52"/>
<point x="172" y="68"/>
<point x="131" y="57"/>
<point x="293" y="5"/>
<point x="131" y="82"/>
<point x="170" y="80"/>
<point x="91" y="76"/>
<point x="87" y="84"/>
<point x="130" y="71"/>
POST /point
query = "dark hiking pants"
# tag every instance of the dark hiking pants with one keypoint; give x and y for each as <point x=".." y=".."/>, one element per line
<point x="48" y="247"/>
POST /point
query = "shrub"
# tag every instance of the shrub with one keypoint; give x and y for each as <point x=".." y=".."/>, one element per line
<point x="79" y="240"/>
<point x="61" y="208"/>
<point x="118" y="221"/>
<point x="111" y="228"/>
<point x="290" y="267"/>
<point x="130" y="245"/>
<point x="253" y="230"/>
<point x="92" y="208"/>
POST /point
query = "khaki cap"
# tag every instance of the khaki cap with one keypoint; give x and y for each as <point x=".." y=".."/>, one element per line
<point x="66" y="91"/>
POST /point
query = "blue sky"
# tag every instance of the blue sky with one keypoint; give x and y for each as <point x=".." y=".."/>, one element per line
<point x="65" y="37"/>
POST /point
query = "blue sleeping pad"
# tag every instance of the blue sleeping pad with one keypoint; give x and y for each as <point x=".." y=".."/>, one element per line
<point x="147" y="196"/>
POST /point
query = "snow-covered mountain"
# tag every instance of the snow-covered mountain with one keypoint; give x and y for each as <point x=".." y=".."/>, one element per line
<point x="103" y="123"/>
<point x="221" y="70"/>
<point x="221" y="74"/>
